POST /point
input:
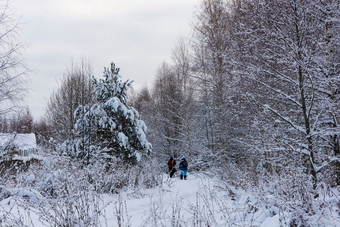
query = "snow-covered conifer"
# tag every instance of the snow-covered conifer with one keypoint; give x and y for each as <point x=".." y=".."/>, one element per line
<point x="110" y="127"/>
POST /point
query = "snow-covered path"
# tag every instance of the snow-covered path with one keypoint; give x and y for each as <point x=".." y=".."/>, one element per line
<point x="174" y="202"/>
<point x="197" y="201"/>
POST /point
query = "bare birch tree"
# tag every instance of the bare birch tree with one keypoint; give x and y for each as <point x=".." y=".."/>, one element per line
<point x="212" y="38"/>
<point x="287" y="56"/>
<point x="12" y="68"/>
<point x="75" y="89"/>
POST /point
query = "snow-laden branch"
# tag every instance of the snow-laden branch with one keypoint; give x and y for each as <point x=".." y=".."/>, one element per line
<point x="287" y="120"/>
<point x="326" y="163"/>
<point x="279" y="92"/>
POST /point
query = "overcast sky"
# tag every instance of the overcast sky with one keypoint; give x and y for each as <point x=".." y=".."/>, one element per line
<point x="138" y="35"/>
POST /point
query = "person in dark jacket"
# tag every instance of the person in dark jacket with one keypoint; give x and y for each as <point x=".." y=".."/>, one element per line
<point x="183" y="166"/>
<point x="171" y="165"/>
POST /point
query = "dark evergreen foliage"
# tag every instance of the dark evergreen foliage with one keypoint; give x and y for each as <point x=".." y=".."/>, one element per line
<point x="110" y="128"/>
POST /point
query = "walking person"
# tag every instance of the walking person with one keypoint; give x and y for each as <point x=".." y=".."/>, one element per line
<point x="171" y="165"/>
<point x="183" y="166"/>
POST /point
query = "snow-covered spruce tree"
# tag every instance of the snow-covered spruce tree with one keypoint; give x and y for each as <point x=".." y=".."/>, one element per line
<point x="110" y="128"/>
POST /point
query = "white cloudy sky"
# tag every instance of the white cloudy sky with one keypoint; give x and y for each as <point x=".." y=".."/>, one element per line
<point x="138" y="35"/>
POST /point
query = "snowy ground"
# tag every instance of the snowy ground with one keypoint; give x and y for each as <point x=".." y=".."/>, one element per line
<point x="197" y="201"/>
<point x="174" y="202"/>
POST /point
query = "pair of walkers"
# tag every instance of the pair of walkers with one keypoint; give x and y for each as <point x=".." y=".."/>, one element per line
<point x="183" y="166"/>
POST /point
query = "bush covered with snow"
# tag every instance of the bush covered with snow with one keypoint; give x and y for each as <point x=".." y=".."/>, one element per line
<point x="280" y="199"/>
<point x="64" y="192"/>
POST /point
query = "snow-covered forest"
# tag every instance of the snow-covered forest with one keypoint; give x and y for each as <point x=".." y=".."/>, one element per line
<point x="251" y="100"/>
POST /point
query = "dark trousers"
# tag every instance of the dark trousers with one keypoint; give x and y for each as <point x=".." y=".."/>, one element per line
<point x="172" y="171"/>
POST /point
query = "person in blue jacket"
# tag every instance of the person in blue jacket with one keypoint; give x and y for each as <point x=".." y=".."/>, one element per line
<point x="183" y="166"/>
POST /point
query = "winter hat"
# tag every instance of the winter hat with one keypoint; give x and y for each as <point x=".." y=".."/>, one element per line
<point x="183" y="158"/>
<point x="171" y="157"/>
